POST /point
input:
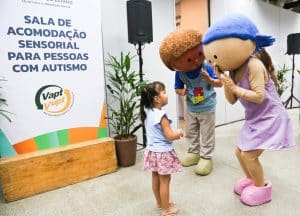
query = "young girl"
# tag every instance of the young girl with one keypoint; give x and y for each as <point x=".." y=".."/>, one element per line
<point x="160" y="157"/>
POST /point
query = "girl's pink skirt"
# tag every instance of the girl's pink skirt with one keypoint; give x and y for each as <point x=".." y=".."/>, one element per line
<point x="164" y="163"/>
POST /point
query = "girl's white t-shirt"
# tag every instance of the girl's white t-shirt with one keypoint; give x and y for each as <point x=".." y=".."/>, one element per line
<point x="156" y="140"/>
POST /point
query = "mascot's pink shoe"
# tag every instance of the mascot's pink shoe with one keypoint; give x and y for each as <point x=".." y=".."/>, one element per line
<point x="254" y="196"/>
<point x="241" y="184"/>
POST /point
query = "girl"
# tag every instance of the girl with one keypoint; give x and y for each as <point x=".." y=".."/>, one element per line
<point x="160" y="157"/>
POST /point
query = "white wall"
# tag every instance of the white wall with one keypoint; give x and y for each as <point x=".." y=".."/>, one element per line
<point x="114" y="29"/>
<point x="271" y="20"/>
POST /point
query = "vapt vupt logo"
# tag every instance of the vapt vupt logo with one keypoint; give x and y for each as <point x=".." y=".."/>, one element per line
<point x="53" y="99"/>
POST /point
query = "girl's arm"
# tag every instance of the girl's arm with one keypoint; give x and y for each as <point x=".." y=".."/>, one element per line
<point x="167" y="130"/>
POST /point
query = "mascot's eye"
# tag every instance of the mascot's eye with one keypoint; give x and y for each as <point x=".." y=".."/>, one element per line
<point x="215" y="56"/>
<point x="209" y="61"/>
<point x="189" y="60"/>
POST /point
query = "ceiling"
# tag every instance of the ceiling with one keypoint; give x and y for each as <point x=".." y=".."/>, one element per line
<point x="293" y="5"/>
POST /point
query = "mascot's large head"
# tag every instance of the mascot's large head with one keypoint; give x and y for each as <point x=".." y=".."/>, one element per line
<point x="229" y="42"/>
<point x="181" y="50"/>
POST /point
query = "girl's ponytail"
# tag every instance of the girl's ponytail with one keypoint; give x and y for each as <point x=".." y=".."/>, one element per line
<point x="144" y="103"/>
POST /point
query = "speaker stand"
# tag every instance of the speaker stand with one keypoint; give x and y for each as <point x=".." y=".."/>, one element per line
<point x="289" y="102"/>
<point x="139" y="52"/>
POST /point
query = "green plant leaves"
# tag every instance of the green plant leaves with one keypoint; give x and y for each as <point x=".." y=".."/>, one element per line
<point x="124" y="88"/>
<point x="283" y="83"/>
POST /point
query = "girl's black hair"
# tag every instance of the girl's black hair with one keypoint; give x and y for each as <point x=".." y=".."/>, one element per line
<point x="147" y="96"/>
<point x="266" y="59"/>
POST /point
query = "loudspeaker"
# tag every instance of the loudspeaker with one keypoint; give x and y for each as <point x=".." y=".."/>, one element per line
<point x="293" y="44"/>
<point x="139" y="21"/>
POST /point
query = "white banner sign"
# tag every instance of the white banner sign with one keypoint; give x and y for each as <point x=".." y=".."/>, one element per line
<point x="51" y="58"/>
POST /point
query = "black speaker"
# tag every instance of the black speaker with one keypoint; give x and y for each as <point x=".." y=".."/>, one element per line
<point x="139" y="21"/>
<point x="293" y="44"/>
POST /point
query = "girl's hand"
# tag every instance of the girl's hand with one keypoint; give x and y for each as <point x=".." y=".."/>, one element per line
<point x="180" y="132"/>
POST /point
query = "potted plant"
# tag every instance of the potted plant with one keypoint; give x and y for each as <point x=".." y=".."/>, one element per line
<point x="123" y="87"/>
<point x="281" y="78"/>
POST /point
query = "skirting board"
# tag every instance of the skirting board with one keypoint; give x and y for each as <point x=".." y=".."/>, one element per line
<point x="33" y="173"/>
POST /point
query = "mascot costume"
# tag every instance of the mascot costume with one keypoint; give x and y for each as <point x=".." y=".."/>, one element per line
<point x="229" y="46"/>
<point x="181" y="50"/>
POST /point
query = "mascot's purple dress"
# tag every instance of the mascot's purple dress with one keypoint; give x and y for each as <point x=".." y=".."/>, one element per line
<point x="267" y="125"/>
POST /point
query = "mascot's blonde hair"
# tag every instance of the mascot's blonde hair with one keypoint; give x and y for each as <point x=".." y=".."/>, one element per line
<point x="177" y="43"/>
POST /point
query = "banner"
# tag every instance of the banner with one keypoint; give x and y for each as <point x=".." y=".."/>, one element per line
<point x="51" y="58"/>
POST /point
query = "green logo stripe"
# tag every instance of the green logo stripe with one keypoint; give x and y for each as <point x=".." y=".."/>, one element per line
<point x="102" y="132"/>
<point x="47" y="141"/>
<point x="63" y="137"/>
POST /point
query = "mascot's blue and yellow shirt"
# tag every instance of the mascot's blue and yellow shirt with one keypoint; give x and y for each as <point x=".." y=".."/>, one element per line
<point x="201" y="96"/>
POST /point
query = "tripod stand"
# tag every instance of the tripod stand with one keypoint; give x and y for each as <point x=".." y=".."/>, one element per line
<point x="289" y="101"/>
<point x="139" y="52"/>
<point x="139" y="24"/>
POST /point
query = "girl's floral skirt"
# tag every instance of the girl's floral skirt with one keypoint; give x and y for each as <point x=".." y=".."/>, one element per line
<point x="164" y="163"/>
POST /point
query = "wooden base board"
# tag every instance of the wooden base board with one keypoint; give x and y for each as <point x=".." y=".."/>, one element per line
<point x="33" y="173"/>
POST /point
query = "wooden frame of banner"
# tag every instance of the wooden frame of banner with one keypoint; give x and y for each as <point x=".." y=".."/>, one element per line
<point x="33" y="173"/>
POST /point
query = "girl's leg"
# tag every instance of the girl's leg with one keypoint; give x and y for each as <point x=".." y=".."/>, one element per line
<point x="242" y="164"/>
<point x="164" y="181"/>
<point x="250" y="159"/>
<point x="156" y="188"/>
<point x="159" y="203"/>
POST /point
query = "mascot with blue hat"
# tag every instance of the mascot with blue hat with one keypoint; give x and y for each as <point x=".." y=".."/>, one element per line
<point x="229" y="45"/>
